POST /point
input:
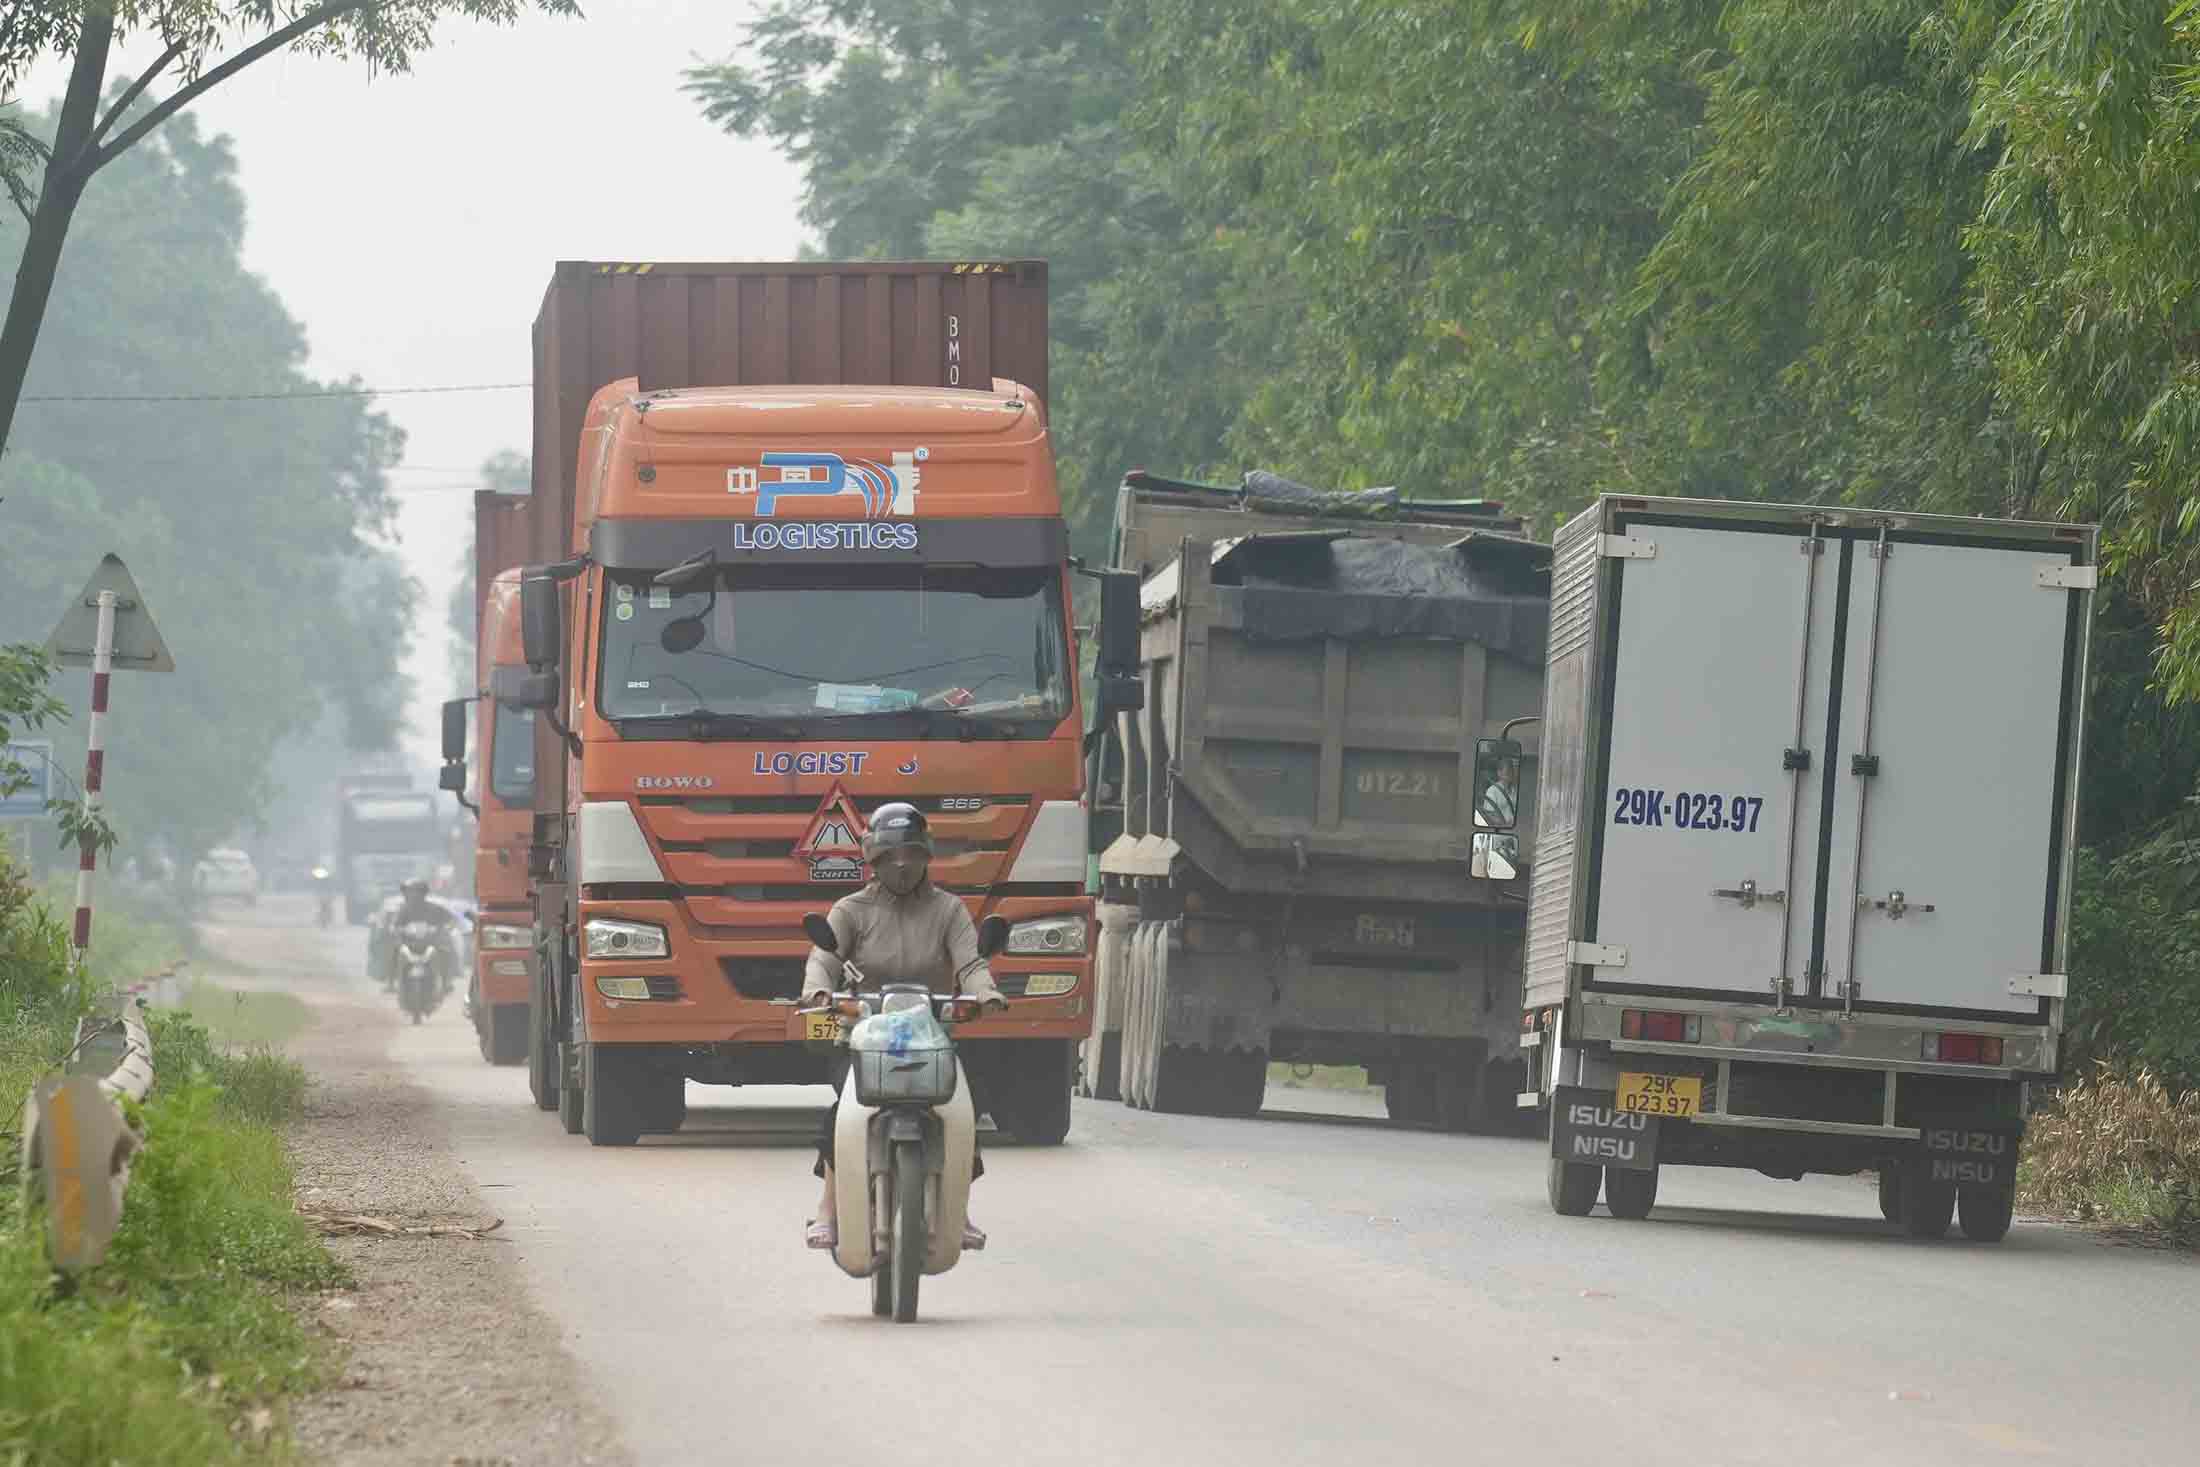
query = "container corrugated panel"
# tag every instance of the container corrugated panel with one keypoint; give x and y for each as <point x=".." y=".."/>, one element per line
<point x="1564" y="749"/>
<point x="869" y="324"/>
<point x="503" y="538"/>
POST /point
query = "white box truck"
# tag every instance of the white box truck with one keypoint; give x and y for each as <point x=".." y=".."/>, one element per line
<point x="1806" y="821"/>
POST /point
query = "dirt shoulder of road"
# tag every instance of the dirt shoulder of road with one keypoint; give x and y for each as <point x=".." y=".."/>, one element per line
<point x="447" y="1361"/>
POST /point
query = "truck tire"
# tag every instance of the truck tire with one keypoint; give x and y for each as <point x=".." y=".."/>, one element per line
<point x="662" y="1103"/>
<point x="1237" y="1082"/>
<point x="1927" y="1207"/>
<point x="610" y="1112"/>
<point x="1890" y="1194"/>
<point x="1630" y="1194"/>
<point x="1033" y="1104"/>
<point x="908" y="1230"/>
<point x="1986" y="1212"/>
<point x="1410" y="1094"/>
<point x="542" y="1044"/>
<point x="504" y="1033"/>
<point x="1572" y="1187"/>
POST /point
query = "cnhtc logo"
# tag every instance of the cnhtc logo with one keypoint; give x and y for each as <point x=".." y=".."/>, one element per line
<point x="883" y="489"/>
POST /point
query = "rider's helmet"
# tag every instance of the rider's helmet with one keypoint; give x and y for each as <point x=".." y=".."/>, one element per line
<point x="897" y="826"/>
<point x="413" y="890"/>
<point x="898" y="845"/>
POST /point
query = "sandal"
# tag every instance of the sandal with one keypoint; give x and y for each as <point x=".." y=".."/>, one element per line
<point x="822" y="1235"/>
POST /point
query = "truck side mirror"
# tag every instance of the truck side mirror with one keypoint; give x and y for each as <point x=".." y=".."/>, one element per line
<point x="541" y="624"/>
<point x="454" y="731"/>
<point x="1119" y="689"/>
<point x="1496" y="784"/>
<point x="452" y="779"/>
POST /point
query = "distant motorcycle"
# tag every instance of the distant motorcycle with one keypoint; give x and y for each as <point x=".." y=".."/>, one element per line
<point x="324" y="892"/>
<point x="420" y="965"/>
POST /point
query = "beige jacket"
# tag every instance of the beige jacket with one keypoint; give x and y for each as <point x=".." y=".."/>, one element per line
<point x="926" y="937"/>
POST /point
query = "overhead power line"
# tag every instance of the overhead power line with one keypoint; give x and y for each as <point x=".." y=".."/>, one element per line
<point x="281" y="396"/>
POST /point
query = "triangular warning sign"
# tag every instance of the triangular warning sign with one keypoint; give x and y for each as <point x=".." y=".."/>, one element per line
<point x="835" y="830"/>
<point x="138" y="646"/>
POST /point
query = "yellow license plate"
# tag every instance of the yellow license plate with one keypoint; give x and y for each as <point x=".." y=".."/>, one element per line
<point x="821" y="1026"/>
<point x="1660" y="1095"/>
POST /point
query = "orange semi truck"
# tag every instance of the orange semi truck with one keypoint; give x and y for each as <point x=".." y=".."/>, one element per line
<point x="804" y="556"/>
<point x="503" y="945"/>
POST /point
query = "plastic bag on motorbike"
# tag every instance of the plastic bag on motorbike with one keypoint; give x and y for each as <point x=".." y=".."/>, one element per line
<point x="903" y="1056"/>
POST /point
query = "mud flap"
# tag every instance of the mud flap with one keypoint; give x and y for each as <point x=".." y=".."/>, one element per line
<point x="1587" y="1129"/>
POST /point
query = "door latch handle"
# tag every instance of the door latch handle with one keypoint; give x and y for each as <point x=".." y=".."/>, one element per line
<point x="1895" y="904"/>
<point x="1748" y="895"/>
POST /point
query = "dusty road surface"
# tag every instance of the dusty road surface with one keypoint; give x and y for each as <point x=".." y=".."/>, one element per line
<point x="1174" y="1290"/>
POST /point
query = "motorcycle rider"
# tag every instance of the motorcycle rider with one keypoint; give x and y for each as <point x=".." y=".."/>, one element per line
<point x="414" y="905"/>
<point x="898" y="926"/>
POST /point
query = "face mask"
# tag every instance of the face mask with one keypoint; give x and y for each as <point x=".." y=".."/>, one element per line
<point x="903" y="876"/>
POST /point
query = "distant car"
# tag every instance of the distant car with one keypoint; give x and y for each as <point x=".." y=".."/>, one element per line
<point x="224" y="872"/>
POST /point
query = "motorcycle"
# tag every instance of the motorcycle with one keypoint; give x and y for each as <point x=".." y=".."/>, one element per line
<point x="419" y="969"/>
<point x="906" y="1133"/>
<point x="324" y="893"/>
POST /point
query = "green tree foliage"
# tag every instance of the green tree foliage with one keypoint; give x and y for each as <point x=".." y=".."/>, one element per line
<point x="204" y="43"/>
<point x="251" y="526"/>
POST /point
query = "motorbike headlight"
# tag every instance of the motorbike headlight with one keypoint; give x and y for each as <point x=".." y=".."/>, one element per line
<point x="1048" y="936"/>
<point x="607" y="937"/>
<point x="500" y="934"/>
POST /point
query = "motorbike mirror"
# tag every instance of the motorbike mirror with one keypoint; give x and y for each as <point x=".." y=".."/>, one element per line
<point x="821" y="932"/>
<point x="683" y="635"/>
<point x="992" y="935"/>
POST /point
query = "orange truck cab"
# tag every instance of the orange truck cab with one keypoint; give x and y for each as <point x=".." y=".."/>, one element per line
<point x="503" y="923"/>
<point x="779" y="607"/>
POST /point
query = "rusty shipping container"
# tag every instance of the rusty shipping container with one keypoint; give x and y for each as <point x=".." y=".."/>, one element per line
<point x="502" y="539"/>
<point x="869" y="324"/>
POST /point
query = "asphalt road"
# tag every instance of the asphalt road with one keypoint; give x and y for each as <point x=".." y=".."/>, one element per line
<point x="1170" y="1290"/>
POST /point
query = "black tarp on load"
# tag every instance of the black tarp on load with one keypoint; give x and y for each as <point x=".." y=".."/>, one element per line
<point x="1332" y="583"/>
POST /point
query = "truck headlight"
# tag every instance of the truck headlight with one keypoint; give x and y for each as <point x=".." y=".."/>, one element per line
<point x="1048" y="936"/>
<point x="607" y="937"/>
<point x="501" y="934"/>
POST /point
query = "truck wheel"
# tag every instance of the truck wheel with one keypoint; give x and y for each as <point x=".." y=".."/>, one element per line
<point x="572" y="1090"/>
<point x="504" y="1032"/>
<point x="662" y="1103"/>
<point x="1034" y="1101"/>
<point x="1410" y="1095"/>
<point x="1179" y="1082"/>
<point x="1986" y="1212"/>
<point x="909" y="1232"/>
<point x="610" y="1114"/>
<point x="1238" y="1083"/>
<point x="542" y="1045"/>
<point x="1928" y="1207"/>
<point x="1630" y="1194"/>
<point x="1890" y="1194"/>
<point x="1572" y="1187"/>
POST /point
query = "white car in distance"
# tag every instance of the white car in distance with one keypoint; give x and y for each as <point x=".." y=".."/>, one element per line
<point x="226" y="872"/>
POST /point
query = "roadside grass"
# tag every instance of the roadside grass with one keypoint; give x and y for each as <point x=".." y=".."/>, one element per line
<point x="181" y="1348"/>
<point x="234" y="1017"/>
<point x="1318" y="1077"/>
<point x="2117" y="1148"/>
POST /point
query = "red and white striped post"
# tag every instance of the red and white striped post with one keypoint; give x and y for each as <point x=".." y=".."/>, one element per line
<point x="95" y="768"/>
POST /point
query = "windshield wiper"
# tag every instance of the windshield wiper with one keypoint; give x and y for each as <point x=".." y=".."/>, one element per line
<point x="704" y="724"/>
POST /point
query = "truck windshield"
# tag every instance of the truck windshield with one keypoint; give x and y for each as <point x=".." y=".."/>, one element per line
<point x="923" y="652"/>
<point x="512" y="756"/>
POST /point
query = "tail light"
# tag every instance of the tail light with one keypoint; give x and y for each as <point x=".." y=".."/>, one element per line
<point x="1963" y="1049"/>
<point x="1660" y="1028"/>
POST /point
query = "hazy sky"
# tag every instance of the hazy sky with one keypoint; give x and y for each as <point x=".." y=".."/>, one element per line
<point x="410" y="222"/>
